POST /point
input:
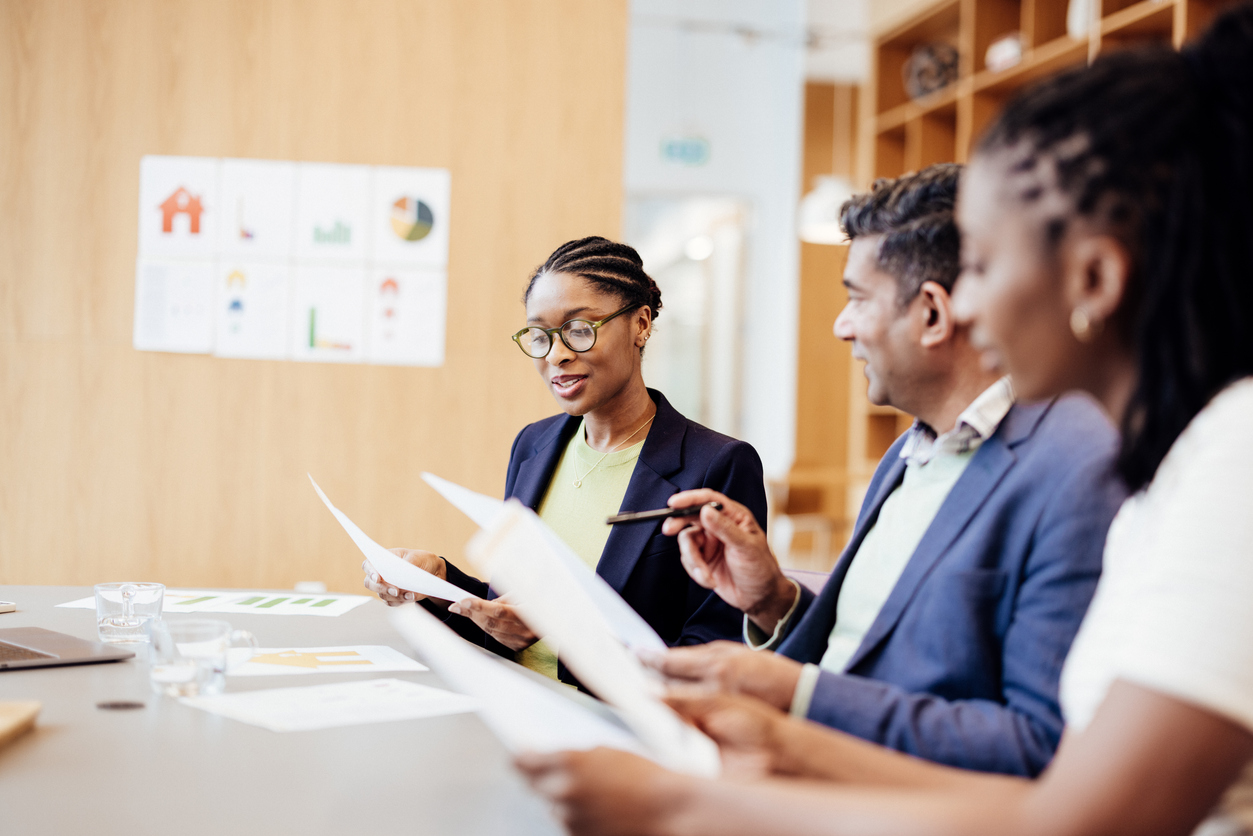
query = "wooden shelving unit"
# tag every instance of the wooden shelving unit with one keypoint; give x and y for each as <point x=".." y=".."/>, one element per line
<point x="899" y="134"/>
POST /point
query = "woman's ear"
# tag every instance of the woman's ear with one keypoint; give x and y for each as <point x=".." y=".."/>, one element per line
<point x="937" y="311"/>
<point x="643" y="325"/>
<point x="1097" y="271"/>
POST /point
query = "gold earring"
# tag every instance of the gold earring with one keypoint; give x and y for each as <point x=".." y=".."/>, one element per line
<point x="1081" y="324"/>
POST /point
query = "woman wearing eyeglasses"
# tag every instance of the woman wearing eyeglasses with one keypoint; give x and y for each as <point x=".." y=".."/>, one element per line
<point x="619" y="446"/>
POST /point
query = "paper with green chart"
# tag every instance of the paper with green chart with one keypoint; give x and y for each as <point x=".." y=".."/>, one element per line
<point x="245" y="602"/>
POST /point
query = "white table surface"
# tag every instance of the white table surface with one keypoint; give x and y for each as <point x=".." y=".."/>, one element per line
<point x="171" y="769"/>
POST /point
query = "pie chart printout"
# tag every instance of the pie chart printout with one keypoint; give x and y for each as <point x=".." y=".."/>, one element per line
<point x="411" y="219"/>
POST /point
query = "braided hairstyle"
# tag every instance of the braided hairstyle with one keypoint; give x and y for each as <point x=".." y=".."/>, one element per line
<point x="914" y="214"/>
<point x="609" y="266"/>
<point x="1155" y="147"/>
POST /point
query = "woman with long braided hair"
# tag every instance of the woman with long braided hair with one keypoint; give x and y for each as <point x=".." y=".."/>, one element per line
<point x="618" y="446"/>
<point x="1107" y="246"/>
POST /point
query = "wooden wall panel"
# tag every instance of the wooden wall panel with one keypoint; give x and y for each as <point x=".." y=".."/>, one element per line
<point x="190" y="470"/>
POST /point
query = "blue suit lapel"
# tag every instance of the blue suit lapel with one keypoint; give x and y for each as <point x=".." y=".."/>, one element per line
<point x="661" y="457"/>
<point x="536" y="470"/>
<point x="987" y="467"/>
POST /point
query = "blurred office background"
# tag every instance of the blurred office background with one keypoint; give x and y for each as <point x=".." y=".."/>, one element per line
<point x="710" y="134"/>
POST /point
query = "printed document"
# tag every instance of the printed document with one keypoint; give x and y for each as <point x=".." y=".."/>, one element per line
<point x="523" y="562"/>
<point x="399" y="573"/>
<point x="625" y="623"/>
<point x="298" y="661"/>
<point x="326" y="706"/>
<point x="525" y="715"/>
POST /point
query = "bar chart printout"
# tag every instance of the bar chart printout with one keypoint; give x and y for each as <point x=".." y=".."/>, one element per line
<point x="327" y="604"/>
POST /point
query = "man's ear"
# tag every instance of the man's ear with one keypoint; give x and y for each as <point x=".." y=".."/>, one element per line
<point x="936" y="309"/>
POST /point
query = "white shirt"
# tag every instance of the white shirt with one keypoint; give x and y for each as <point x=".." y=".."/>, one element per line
<point x="1173" y="611"/>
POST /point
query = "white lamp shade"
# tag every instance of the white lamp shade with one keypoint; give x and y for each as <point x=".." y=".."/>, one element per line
<point x="818" y="219"/>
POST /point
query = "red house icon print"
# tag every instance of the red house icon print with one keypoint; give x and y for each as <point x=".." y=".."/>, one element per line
<point x="180" y="203"/>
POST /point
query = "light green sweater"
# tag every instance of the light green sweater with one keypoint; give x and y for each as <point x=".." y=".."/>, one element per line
<point x="578" y="514"/>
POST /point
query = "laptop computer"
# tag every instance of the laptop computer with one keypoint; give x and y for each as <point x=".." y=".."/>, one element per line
<point x="35" y="647"/>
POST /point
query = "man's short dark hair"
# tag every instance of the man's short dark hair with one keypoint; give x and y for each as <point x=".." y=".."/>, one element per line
<point x="914" y="214"/>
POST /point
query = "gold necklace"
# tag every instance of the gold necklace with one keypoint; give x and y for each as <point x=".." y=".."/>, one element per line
<point x="578" y="480"/>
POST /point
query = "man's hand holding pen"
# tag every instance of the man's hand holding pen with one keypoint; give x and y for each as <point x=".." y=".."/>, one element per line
<point x="724" y="549"/>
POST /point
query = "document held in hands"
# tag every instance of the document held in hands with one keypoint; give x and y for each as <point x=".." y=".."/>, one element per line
<point x="522" y="560"/>
<point x="524" y="714"/>
<point x="399" y="573"/>
<point x="625" y="623"/>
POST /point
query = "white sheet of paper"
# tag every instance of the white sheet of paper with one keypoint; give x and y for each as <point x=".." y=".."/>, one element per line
<point x="173" y="305"/>
<point x="246" y="602"/>
<point x="332" y="211"/>
<point x="407" y="314"/>
<point x="525" y="715"/>
<point x="391" y="568"/>
<point x="301" y="661"/>
<point x="630" y="628"/>
<point x="178" y="206"/>
<point x="311" y="707"/>
<point x="328" y="313"/>
<point x="409" y="215"/>
<point x="252" y="309"/>
<point x="522" y="561"/>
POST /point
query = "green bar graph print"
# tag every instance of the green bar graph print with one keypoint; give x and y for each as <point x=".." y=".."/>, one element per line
<point x="199" y="600"/>
<point x="272" y="603"/>
<point x="324" y="603"/>
<point x="302" y="601"/>
<point x="248" y="602"/>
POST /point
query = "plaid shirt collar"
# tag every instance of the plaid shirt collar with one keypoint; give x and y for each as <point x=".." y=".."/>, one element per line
<point x="974" y="426"/>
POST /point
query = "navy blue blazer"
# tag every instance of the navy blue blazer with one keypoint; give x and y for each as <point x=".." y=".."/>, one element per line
<point x="640" y="562"/>
<point x="961" y="665"/>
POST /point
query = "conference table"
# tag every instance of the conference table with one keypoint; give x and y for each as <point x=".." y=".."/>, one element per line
<point x="172" y="769"/>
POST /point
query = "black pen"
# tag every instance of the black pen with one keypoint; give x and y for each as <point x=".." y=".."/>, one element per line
<point x="660" y="513"/>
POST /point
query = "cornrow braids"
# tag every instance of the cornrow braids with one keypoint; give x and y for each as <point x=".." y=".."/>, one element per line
<point x="1156" y="148"/>
<point x="914" y="214"/>
<point x="612" y="267"/>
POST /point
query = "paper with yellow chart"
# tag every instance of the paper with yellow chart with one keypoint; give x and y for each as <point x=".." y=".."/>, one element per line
<point x="298" y="661"/>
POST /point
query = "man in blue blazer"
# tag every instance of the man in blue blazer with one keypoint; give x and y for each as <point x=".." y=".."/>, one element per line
<point x="942" y="630"/>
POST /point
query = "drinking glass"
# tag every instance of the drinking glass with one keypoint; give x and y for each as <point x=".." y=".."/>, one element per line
<point x="189" y="656"/>
<point x="124" y="609"/>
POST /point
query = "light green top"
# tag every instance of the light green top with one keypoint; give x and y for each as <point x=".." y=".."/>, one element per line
<point x="882" y="557"/>
<point x="578" y="514"/>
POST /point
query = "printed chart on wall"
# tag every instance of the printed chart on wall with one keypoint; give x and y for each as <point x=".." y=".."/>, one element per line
<point x="274" y="260"/>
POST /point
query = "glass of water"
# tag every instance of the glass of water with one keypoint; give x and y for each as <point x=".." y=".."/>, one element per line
<point x="189" y="656"/>
<point x="123" y="610"/>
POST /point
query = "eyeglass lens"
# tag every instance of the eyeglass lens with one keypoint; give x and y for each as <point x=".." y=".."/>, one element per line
<point x="579" y="336"/>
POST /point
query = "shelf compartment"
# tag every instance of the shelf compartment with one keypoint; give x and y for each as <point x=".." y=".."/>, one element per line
<point x="940" y="25"/>
<point x="899" y="115"/>
<point x="1043" y="21"/>
<point x="1149" y="21"/>
<point x="993" y="19"/>
<point x="1039" y="62"/>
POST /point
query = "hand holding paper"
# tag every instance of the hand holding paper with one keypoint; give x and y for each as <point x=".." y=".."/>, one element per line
<point x="522" y="561"/>
<point x="397" y="572"/>
<point x="630" y="628"/>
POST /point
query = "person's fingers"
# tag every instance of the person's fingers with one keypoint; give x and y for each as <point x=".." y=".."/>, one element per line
<point x="689" y="663"/>
<point x="699" y="496"/>
<point x="691" y="555"/>
<point x="674" y="525"/>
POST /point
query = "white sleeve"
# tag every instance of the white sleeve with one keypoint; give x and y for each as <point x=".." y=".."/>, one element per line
<point x="1190" y="628"/>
